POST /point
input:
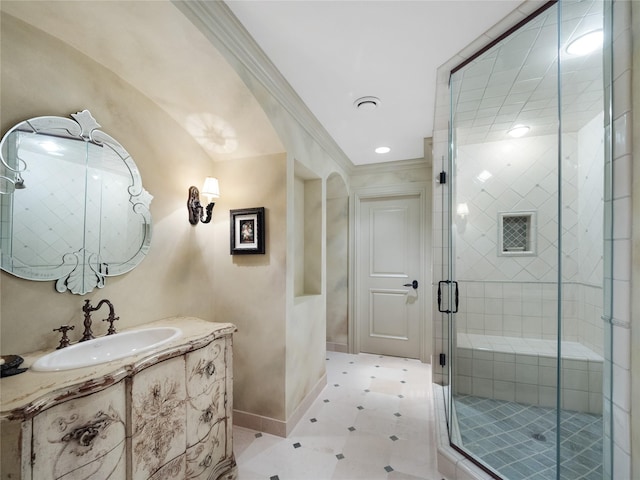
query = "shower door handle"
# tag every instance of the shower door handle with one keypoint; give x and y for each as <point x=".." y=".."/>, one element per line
<point x="440" y="296"/>
<point x="456" y="296"/>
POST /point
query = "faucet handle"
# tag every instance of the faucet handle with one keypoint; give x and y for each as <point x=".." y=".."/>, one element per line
<point x="64" y="341"/>
<point x="111" y="319"/>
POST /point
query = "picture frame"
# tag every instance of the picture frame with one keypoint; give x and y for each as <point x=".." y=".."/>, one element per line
<point x="247" y="232"/>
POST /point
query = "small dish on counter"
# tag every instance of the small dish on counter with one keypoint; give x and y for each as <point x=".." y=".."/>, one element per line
<point x="9" y="365"/>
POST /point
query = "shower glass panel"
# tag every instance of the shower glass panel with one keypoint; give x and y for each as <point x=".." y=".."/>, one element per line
<point x="527" y="163"/>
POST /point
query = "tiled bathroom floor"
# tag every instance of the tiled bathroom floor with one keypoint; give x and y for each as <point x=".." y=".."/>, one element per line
<point x="520" y="440"/>
<point x="374" y="420"/>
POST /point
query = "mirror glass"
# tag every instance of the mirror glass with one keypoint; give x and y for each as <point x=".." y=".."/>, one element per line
<point x="72" y="204"/>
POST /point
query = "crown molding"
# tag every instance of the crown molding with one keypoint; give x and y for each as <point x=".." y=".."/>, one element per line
<point x="390" y="167"/>
<point x="218" y="23"/>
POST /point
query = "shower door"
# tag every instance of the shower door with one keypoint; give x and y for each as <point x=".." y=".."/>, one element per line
<point x="525" y="289"/>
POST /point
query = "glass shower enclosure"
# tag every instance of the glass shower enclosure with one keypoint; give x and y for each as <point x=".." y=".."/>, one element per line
<point x="525" y="295"/>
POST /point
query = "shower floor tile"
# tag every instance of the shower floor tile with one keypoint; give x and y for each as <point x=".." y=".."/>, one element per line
<point x="519" y="441"/>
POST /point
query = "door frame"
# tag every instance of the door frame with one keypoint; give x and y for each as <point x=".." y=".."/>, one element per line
<point x="419" y="189"/>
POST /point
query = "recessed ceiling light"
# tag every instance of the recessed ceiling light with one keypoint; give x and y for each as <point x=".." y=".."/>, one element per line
<point x="366" y="103"/>
<point x="586" y="43"/>
<point x="383" y="150"/>
<point x="518" y="131"/>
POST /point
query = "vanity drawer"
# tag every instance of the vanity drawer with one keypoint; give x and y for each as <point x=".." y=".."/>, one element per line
<point x="85" y="436"/>
<point x="206" y="365"/>
<point x="204" y="411"/>
<point x="206" y="390"/>
<point x="175" y="469"/>
<point x="205" y="456"/>
<point x="157" y="417"/>
<point x="168" y="416"/>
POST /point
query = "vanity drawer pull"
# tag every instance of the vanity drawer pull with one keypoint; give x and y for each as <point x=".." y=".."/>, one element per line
<point x="206" y="463"/>
<point x="207" y="415"/>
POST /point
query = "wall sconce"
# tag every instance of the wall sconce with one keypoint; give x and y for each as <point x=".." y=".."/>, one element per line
<point x="462" y="210"/>
<point x="210" y="189"/>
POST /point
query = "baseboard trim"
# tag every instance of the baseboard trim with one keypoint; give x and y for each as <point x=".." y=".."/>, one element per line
<point x="276" y="427"/>
<point x="337" y="347"/>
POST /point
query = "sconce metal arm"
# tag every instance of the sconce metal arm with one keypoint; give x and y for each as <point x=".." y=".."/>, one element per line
<point x="196" y="210"/>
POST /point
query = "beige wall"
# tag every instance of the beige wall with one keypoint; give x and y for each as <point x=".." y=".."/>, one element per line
<point x="337" y="208"/>
<point x="279" y="349"/>
<point x="250" y="289"/>
<point x="280" y="346"/>
<point x="189" y="270"/>
<point x="397" y="174"/>
<point x="42" y="76"/>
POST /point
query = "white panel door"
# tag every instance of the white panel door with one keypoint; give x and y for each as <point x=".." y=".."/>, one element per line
<point x="388" y="259"/>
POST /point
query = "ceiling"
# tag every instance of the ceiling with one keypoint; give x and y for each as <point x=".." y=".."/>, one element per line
<point x="334" y="52"/>
<point x="153" y="47"/>
<point x="330" y="52"/>
<point x="516" y="81"/>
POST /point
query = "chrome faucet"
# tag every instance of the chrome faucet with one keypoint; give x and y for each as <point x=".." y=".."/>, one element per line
<point x="87" y="309"/>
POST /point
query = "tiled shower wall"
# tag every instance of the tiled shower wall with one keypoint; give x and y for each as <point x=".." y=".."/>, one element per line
<point x="619" y="403"/>
<point x="516" y="295"/>
<point x="529" y="310"/>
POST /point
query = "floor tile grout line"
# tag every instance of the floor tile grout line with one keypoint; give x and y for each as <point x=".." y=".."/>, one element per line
<point x="381" y="404"/>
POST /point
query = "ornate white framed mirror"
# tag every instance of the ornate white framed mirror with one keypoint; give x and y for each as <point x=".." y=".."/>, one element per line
<point x="72" y="205"/>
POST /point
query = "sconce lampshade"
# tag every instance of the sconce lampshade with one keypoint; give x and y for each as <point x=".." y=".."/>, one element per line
<point x="211" y="188"/>
<point x="462" y="210"/>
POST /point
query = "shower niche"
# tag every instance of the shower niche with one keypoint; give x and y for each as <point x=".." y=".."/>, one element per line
<point x="528" y="377"/>
<point x="516" y="235"/>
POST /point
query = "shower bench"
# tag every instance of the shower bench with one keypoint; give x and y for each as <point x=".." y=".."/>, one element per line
<point x="524" y="370"/>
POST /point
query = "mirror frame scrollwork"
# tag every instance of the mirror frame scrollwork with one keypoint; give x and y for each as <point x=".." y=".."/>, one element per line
<point x="80" y="271"/>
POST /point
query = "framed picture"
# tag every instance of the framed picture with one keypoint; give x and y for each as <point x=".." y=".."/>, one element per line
<point x="247" y="231"/>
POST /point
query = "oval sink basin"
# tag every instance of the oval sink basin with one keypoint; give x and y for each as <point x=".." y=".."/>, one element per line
<point x="106" y="349"/>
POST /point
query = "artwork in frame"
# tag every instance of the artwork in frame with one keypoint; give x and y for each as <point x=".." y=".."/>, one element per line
<point x="247" y="231"/>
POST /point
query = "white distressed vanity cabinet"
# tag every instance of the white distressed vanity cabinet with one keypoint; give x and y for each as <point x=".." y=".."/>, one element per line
<point x="163" y="415"/>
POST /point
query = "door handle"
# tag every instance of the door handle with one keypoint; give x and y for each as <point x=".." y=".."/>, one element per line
<point x="413" y="284"/>
<point x="440" y="296"/>
<point x="456" y="296"/>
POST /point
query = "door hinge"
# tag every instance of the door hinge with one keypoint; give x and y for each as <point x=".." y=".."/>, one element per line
<point x="443" y="359"/>
<point x="442" y="178"/>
